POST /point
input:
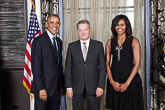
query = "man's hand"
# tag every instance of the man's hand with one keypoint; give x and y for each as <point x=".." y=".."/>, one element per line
<point x="43" y="95"/>
<point x="99" y="92"/>
<point x="70" y="93"/>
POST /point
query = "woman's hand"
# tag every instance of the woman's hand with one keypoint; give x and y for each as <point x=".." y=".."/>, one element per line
<point x="115" y="85"/>
<point x="123" y="87"/>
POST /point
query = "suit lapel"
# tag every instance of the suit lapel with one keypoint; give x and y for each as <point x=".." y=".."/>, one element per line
<point x="90" y="49"/>
<point x="50" y="45"/>
<point x="48" y="41"/>
<point x="59" y="48"/>
<point x="59" y="45"/>
<point x="78" y="46"/>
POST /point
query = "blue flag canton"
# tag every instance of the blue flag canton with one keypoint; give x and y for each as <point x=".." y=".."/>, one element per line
<point x="163" y="61"/>
<point x="34" y="28"/>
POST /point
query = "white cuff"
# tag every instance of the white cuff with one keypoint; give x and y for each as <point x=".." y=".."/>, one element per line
<point x="68" y="88"/>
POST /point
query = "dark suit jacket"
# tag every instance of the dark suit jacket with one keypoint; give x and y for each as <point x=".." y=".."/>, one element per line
<point x="46" y="70"/>
<point x="89" y="74"/>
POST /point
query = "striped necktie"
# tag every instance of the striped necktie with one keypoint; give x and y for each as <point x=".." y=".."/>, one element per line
<point x="84" y="51"/>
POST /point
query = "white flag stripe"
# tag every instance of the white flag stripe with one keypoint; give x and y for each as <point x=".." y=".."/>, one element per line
<point x="29" y="66"/>
<point x="28" y="49"/>
<point x="27" y="76"/>
<point x="28" y="62"/>
<point x="31" y="76"/>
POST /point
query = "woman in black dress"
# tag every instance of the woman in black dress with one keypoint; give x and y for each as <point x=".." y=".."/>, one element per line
<point x="124" y="85"/>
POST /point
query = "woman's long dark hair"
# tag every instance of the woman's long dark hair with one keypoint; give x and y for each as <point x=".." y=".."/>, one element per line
<point x="127" y="22"/>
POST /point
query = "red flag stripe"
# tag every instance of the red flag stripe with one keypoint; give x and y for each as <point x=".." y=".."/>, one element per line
<point x="27" y="69"/>
<point x="27" y="76"/>
<point x="27" y="82"/>
<point x="28" y="55"/>
<point x="28" y="48"/>
<point x="28" y="63"/>
<point x="30" y="44"/>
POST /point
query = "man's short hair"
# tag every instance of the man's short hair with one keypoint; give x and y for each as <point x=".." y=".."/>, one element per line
<point x="83" y="22"/>
<point x="54" y="15"/>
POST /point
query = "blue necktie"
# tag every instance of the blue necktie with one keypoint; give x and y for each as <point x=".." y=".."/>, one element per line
<point x="55" y="48"/>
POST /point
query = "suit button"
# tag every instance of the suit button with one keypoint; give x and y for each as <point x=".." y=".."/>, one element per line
<point x="84" y="64"/>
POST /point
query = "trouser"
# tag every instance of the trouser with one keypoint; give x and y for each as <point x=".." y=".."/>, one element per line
<point x="93" y="102"/>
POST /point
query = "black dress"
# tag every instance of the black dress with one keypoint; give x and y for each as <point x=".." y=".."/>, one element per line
<point x="122" y="64"/>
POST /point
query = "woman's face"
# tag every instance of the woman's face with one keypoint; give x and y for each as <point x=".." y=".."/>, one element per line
<point x="121" y="27"/>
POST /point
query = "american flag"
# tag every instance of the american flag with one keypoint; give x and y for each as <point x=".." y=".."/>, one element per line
<point x="33" y="31"/>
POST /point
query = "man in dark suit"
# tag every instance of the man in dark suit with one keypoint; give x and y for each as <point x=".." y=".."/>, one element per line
<point x="85" y="70"/>
<point x="46" y="59"/>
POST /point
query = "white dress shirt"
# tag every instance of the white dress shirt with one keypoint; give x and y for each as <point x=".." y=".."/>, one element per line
<point x="87" y="44"/>
<point x="51" y="38"/>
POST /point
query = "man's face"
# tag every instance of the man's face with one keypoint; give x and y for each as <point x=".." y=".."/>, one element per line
<point x="84" y="31"/>
<point x="53" y="25"/>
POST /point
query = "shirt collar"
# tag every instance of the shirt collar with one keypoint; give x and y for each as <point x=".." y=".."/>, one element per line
<point x="50" y="35"/>
<point x="87" y="41"/>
